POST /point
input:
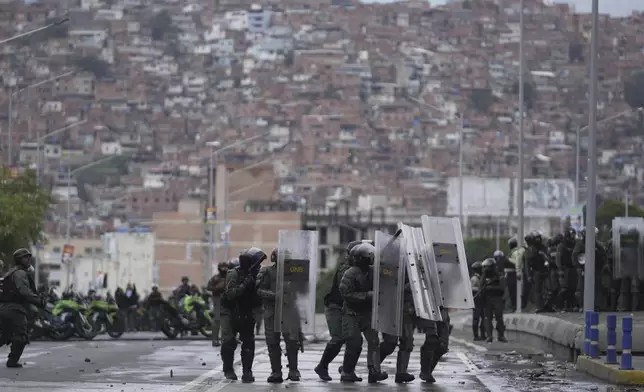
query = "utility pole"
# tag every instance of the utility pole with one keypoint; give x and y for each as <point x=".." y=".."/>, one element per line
<point x="69" y="222"/>
<point x="521" y="141"/>
<point x="591" y="203"/>
<point x="461" y="138"/>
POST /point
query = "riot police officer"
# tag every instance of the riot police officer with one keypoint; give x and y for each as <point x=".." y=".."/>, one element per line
<point x="536" y="259"/>
<point x="578" y="256"/>
<point x="492" y="290"/>
<point x="17" y="292"/>
<point x="478" y="315"/>
<point x="356" y="288"/>
<point x="266" y="287"/>
<point x="567" y="271"/>
<point x="238" y="304"/>
<point x="406" y="340"/>
<point x="216" y="286"/>
<point x="628" y="257"/>
<point x="552" y="280"/>
<point x="514" y="274"/>
<point x="333" y="312"/>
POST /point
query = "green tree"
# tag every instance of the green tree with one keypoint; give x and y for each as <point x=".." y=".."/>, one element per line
<point x="611" y="209"/>
<point x="634" y="89"/>
<point x="529" y="93"/>
<point x="161" y="25"/>
<point x="93" y="64"/>
<point x="481" y="99"/>
<point x="23" y="204"/>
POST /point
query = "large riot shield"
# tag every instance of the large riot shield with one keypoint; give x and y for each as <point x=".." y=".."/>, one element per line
<point x="445" y="240"/>
<point x="628" y="246"/>
<point x="297" y="264"/>
<point x="388" y="284"/>
<point x="427" y="300"/>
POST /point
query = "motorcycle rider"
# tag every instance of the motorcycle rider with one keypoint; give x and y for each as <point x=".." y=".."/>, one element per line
<point x="333" y="312"/>
<point x="478" y="315"/>
<point x="17" y="293"/>
<point x="266" y="289"/>
<point x="237" y="306"/>
<point x="216" y="286"/>
<point x="183" y="289"/>
<point x="156" y="299"/>
<point x="492" y="291"/>
<point x="356" y="288"/>
<point x="567" y="272"/>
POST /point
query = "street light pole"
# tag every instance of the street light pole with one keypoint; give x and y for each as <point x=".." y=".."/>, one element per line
<point x="211" y="226"/>
<point x="521" y="141"/>
<point x="589" y="273"/>
<point x="15" y="37"/>
<point x="69" y="222"/>
<point x="460" y="170"/>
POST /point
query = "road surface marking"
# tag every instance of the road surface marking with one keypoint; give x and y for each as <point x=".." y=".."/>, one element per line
<point x="468" y="344"/>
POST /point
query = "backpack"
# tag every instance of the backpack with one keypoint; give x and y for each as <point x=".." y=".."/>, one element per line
<point x="8" y="287"/>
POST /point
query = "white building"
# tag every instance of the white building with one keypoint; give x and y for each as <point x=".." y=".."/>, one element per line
<point x="130" y="258"/>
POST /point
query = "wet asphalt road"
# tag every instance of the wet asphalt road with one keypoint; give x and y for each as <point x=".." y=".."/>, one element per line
<point x="194" y="366"/>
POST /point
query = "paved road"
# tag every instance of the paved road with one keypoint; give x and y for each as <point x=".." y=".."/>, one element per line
<point x="194" y="366"/>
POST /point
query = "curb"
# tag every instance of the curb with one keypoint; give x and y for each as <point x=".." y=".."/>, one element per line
<point x="609" y="373"/>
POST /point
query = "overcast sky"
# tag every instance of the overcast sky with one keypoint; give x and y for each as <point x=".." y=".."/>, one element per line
<point x="616" y="7"/>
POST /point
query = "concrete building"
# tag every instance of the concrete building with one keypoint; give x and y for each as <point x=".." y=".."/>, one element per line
<point x="87" y="252"/>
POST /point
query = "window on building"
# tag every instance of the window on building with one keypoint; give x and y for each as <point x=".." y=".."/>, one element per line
<point x="56" y="249"/>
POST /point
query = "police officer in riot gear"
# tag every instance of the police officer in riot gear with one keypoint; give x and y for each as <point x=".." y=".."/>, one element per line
<point x="630" y="258"/>
<point x="238" y="303"/>
<point x="436" y="345"/>
<point x="513" y="276"/>
<point x="405" y="342"/>
<point x="333" y="312"/>
<point x="266" y="288"/>
<point x="216" y="286"/>
<point x="552" y="280"/>
<point x="566" y="271"/>
<point x="356" y="288"/>
<point x="578" y="257"/>
<point x="492" y="290"/>
<point x="536" y="258"/>
<point x="478" y="315"/>
<point x="17" y="293"/>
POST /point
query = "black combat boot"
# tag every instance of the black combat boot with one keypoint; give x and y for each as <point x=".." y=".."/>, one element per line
<point x="275" y="357"/>
<point x="228" y="358"/>
<point x="350" y="360"/>
<point x="402" y="361"/>
<point x="483" y="334"/>
<point x="291" y="355"/>
<point x="475" y="331"/>
<point x="358" y="356"/>
<point x="14" y="355"/>
<point x="501" y="336"/>
<point x="425" y="364"/>
<point x="375" y="373"/>
<point x="247" y="357"/>
<point x="322" y="369"/>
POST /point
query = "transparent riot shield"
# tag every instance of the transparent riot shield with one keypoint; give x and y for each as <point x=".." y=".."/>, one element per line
<point x="297" y="264"/>
<point x="426" y="303"/>
<point x="628" y="246"/>
<point x="388" y="284"/>
<point x="446" y="246"/>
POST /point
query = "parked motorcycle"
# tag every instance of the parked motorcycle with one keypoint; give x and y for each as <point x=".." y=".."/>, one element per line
<point x="105" y="317"/>
<point x="195" y="310"/>
<point x="71" y="314"/>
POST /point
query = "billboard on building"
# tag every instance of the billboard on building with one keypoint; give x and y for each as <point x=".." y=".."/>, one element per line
<point x="542" y="197"/>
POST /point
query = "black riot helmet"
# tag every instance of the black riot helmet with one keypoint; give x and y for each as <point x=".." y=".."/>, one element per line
<point x="223" y="267"/>
<point x="537" y="237"/>
<point x="350" y="246"/>
<point x="477" y="267"/>
<point x="362" y="255"/>
<point x="22" y="256"/>
<point x="274" y="256"/>
<point x="569" y="235"/>
<point x="251" y="257"/>
<point x="488" y="264"/>
<point x="513" y="243"/>
<point x="558" y="239"/>
<point x="529" y="238"/>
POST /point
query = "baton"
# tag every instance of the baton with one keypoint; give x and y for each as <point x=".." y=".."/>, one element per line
<point x="391" y="241"/>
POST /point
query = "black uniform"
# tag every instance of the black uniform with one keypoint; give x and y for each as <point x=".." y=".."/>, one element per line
<point x="492" y="291"/>
<point x="478" y="315"/>
<point x="356" y="288"/>
<point x="238" y="303"/>
<point x="536" y="258"/>
<point x="17" y="293"/>
<point x="567" y="271"/>
<point x="333" y="312"/>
